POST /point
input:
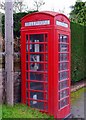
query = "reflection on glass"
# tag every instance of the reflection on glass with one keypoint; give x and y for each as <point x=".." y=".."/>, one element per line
<point x="63" y="38"/>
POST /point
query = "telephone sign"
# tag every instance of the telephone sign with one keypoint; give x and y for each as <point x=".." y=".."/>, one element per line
<point x="45" y="62"/>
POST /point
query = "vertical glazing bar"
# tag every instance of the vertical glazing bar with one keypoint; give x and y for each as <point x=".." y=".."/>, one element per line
<point x="44" y="74"/>
<point x="29" y="69"/>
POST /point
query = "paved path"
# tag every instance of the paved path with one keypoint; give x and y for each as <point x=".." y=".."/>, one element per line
<point x="78" y="103"/>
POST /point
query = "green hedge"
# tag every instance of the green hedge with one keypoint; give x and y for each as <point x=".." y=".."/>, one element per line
<point x="85" y="51"/>
<point x="78" y="49"/>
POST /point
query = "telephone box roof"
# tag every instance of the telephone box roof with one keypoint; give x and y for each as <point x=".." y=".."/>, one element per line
<point x="50" y="13"/>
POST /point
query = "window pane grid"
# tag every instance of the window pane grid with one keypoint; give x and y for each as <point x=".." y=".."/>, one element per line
<point x="36" y="70"/>
<point x="63" y="70"/>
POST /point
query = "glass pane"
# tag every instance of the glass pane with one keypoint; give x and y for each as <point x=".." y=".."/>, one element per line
<point x="63" y="102"/>
<point x="36" y="104"/>
<point x="63" y="84"/>
<point x="36" y="57"/>
<point x="63" y="48"/>
<point x="36" y="86"/>
<point x="37" y="38"/>
<point x="63" y="57"/>
<point x="63" y="94"/>
<point x="63" y="66"/>
<point x="63" y="75"/>
<point x="63" y="38"/>
<point x="36" y="76"/>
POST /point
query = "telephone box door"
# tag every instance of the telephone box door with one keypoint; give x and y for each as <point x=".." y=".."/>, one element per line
<point x="37" y="70"/>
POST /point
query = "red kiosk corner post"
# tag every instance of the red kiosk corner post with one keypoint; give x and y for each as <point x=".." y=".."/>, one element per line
<point x="45" y="62"/>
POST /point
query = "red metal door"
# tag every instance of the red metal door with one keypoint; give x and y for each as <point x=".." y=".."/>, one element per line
<point x="37" y="71"/>
<point x="63" y="74"/>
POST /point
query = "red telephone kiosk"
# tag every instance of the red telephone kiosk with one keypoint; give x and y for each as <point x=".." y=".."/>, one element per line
<point x="45" y="62"/>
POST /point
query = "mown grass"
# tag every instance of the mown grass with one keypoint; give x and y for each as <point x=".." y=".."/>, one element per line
<point x="22" y="111"/>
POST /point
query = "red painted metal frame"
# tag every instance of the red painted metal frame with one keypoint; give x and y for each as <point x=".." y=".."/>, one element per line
<point x="53" y="31"/>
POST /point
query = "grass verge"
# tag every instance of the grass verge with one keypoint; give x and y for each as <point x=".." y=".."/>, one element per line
<point x="22" y="111"/>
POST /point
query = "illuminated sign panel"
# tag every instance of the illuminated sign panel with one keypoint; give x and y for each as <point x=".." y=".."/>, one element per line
<point x="36" y="23"/>
<point x="63" y="24"/>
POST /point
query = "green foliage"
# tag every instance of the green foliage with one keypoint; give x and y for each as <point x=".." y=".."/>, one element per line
<point x="85" y="51"/>
<point x="17" y="24"/>
<point x="77" y="54"/>
<point x="78" y="13"/>
<point x="22" y="111"/>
